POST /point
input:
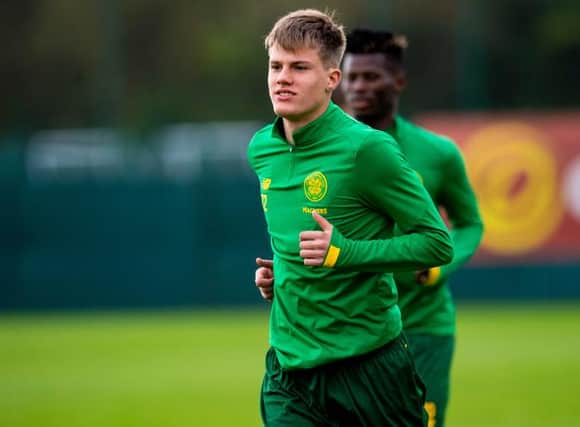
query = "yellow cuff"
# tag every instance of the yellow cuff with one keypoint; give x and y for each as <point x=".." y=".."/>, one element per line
<point x="331" y="256"/>
<point x="433" y="276"/>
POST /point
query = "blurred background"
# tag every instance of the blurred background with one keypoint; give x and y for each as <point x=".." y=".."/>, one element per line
<point x="130" y="221"/>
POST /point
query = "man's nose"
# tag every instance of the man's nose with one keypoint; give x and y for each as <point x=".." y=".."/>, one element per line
<point x="358" y="84"/>
<point x="284" y="76"/>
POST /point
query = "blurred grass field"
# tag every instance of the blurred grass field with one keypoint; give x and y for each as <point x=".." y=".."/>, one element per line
<point x="515" y="365"/>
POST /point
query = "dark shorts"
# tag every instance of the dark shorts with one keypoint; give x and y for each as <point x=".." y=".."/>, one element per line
<point x="381" y="388"/>
<point x="433" y="355"/>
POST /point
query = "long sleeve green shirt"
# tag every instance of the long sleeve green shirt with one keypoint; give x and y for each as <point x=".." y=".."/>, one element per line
<point x="438" y="161"/>
<point x="358" y="180"/>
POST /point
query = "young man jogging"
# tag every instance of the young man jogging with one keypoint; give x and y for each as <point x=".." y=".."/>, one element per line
<point x="373" y="81"/>
<point x="332" y="189"/>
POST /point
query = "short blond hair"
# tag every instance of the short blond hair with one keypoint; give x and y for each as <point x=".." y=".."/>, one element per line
<point x="313" y="29"/>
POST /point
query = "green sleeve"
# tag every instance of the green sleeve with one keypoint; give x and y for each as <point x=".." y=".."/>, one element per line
<point x="389" y="187"/>
<point x="458" y="200"/>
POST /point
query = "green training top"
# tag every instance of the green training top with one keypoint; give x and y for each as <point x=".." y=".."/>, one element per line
<point x="429" y="308"/>
<point x="358" y="180"/>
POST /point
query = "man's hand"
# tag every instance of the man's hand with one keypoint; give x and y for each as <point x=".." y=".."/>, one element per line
<point x="265" y="278"/>
<point x="428" y="277"/>
<point x="314" y="244"/>
<point x="422" y="276"/>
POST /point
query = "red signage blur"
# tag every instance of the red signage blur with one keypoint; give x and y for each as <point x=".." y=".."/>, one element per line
<point x="525" y="169"/>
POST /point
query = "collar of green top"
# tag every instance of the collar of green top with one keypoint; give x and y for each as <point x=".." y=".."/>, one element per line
<point x="310" y="133"/>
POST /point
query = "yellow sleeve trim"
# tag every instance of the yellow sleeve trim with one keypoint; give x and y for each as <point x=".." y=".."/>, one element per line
<point x="331" y="256"/>
<point x="433" y="276"/>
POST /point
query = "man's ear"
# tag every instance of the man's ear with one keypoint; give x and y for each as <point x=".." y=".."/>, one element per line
<point x="400" y="81"/>
<point x="334" y="76"/>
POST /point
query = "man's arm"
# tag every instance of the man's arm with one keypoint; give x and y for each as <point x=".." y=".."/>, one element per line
<point x="460" y="204"/>
<point x="390" y="187"/>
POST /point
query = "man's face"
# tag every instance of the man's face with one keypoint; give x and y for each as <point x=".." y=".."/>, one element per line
<point x="371" y="85"/>
<point x="299" y="83"/>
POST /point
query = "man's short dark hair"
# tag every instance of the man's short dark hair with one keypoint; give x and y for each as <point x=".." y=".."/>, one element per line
<point x="368" y="41"/>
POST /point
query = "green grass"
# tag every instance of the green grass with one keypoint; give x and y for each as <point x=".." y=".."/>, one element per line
<point x="514" y="366"/>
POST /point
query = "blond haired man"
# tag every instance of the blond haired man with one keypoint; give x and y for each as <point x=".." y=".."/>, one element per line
<point x="332" y="189"/>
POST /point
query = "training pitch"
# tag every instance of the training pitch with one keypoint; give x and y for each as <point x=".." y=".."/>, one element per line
<point x="515" y="366"/>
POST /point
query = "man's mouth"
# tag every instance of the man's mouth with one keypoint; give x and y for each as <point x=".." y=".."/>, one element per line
<point x="359" y="103"/>
<point x="284" y="93"/>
